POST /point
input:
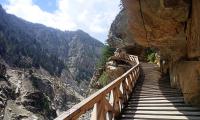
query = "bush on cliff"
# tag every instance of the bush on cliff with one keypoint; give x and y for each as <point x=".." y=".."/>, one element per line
<point x="107" y="52"/>
<point x="103" y="80"/>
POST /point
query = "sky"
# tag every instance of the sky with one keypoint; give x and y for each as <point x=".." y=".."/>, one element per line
<point x="92" y="16"/>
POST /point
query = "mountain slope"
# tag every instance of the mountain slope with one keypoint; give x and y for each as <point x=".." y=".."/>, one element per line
<point x="47" y="47"/>
<point x="41" y="68"/>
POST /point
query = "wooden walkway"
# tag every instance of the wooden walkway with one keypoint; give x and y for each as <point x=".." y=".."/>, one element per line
<point x="130" y="97"/>
<point x="154" y="99"/>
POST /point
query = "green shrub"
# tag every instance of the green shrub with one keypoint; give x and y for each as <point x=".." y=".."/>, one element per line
<point x="107" y="52"/>
<point x="150" y="55"/>
<point x="103" y="80"/>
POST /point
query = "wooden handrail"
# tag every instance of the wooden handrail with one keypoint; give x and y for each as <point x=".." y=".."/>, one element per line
<point x="108" y="102"/>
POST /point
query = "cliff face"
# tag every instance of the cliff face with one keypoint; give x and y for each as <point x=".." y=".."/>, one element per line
<point x="159" y="24"/>
<point x="119" y="36"/>
<point x="172" y="27"/>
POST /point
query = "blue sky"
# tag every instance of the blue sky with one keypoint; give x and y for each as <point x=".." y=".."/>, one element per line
<point x="92" y="16"/>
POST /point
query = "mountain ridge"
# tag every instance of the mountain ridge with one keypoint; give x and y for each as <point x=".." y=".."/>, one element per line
<point x="57" y="41"/>
<point x="43" y="71"/>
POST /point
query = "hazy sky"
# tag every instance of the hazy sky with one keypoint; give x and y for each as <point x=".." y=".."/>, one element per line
<point x="92" y="16"/>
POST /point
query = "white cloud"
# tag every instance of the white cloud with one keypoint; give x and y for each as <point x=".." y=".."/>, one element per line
<point x="92" y="16"/>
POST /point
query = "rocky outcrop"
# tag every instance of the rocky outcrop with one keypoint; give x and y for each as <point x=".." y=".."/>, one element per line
<point x="172" y="27"/>
<point x="119" y="36"/>
<point x="114" y="68"/>
<point x="94" y="80"/>
<point x="35" y="94"/>
<point x="6" y="93"/>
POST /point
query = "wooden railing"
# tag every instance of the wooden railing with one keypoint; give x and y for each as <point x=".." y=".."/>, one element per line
<point x="107" y="103"/>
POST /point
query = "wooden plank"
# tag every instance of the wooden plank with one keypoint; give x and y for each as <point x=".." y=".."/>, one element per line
<point x="159" y="105"/>
<point x="151" y="94"/>
<point x="156" y="98"/>
<point x="154" y="86"/>
<point x="160" y="117"/>
<point x="163" y="91"/>
<point x="190" y="113"/>
<point x="157" y="101"/>
<point x="157" y="93"/>
<point x="152" y="89"/>
<point x="154" y="95"/>
<point x="163" y="108"/>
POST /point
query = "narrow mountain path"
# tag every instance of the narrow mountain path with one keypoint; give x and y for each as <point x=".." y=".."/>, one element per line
<point x="154" y="99"/>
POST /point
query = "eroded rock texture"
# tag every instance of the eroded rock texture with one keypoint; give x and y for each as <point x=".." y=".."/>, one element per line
<point x="119" y="36"/>
<point x="34" y="94"/>
<point x="172" y="27"/>
<point x="185" y="75"/>
<point x="114" y="68"/>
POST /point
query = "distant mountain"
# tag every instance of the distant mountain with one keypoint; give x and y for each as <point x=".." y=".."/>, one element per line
<point x="43" y="71"/>
<point x="24" y="44"/>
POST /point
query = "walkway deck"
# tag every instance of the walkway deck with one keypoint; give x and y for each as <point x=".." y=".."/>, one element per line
<point x="132" y="98"/>
<point x="154" y="99"/>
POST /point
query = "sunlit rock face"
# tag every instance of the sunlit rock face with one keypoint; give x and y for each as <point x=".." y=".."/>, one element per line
<point x="159" y="23"/>
<point x="193" y="31"/>
<point x="119" y="35"/>
<point x="185" y="75"/>
<point x="119" y="30"/>
<point x="173" y="27"/>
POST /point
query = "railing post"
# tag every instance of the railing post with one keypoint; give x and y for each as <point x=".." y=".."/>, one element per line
<point x="94" y="113"/>
<point x="124" y="91"/>
<point x="130" y="82"/>
<point x="117" y="101"/>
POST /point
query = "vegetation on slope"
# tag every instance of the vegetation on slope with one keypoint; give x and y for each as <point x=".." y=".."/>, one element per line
<point x="107" y="52"/>
<point x="103" y="80"/>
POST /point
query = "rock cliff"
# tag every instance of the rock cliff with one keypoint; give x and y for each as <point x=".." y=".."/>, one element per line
<point x="119" y="36"/>
<point x="172" y="28"/>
